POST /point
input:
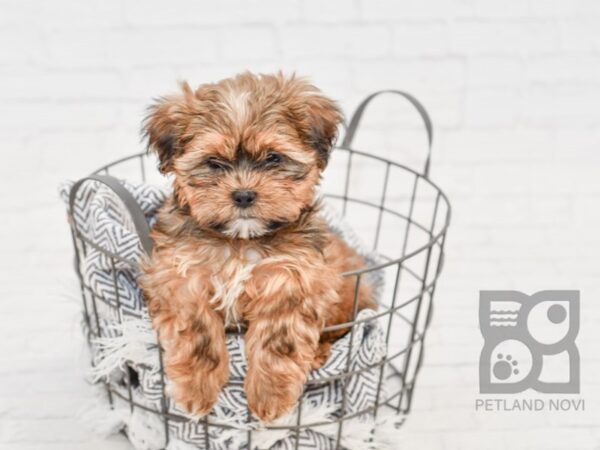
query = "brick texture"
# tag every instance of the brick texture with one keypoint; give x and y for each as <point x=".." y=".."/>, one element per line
<point x="514" y="91"/>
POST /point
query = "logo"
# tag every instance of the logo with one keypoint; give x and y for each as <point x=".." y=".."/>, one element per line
<point x="529" y="342"/>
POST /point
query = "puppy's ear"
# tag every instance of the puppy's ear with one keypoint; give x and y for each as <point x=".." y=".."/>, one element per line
<point x="317" y="116"/>
<point x="165" y="124"/>
<point x="326" y="117"/>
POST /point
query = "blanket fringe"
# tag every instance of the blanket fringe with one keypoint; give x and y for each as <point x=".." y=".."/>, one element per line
<point x="133" y="340"/>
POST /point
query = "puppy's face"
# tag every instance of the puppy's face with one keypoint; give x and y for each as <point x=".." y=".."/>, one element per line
<point x="246" y="152"/>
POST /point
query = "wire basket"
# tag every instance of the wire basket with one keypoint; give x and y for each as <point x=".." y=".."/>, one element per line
<point x="398" y="211"/>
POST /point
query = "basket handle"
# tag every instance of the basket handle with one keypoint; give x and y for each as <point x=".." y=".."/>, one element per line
<point x="137" y="215"/>
<point x="357" y="116"/>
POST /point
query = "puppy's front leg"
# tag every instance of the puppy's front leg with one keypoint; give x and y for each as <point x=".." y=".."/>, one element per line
<point x="197" y="362"/>
<point x="279" y="348"/>
<point x="286" y="314"/>
<point x="192" y="334"/>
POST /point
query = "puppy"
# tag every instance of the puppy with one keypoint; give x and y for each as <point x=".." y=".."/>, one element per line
<point x="239" y="241"/>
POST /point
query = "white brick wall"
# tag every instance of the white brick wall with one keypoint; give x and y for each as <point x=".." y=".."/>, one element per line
<point x="514" y="91"/>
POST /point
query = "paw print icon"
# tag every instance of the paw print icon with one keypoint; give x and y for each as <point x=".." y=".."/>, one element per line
<point x="529" y="342"/>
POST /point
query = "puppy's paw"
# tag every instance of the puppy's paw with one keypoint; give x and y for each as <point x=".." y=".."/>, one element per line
<point x="270" y="397"/>
<point x="198" y="406"/>
<point x="198" y="392"/>
<point x="269" y="409"/>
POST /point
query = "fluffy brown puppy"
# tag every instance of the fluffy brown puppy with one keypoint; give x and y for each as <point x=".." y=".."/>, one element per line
<point x="240" y="241"/>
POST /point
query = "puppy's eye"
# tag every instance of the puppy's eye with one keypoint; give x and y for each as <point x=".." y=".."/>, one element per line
<point x="273" y="159"/>
<point x="215" y="164"/>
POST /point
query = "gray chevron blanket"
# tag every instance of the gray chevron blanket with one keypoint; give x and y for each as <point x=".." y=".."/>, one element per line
<point x="125" y="350"/>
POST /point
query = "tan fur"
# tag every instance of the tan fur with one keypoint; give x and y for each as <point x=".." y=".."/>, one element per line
<point x="274" y="266"/>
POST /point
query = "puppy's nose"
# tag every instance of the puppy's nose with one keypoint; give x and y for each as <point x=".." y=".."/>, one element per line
<point x="244" y="198"/>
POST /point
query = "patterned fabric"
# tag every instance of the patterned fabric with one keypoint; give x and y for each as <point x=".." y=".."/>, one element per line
<point x="103" y="220"/>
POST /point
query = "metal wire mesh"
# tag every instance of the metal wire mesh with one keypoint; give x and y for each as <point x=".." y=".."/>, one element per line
<point x="400" y="212"/>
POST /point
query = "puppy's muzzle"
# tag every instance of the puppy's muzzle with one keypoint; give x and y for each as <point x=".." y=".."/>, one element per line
<point x="243" y="198"/>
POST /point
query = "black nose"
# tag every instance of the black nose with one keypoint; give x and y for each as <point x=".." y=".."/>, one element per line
<point x="244" y="198"/>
